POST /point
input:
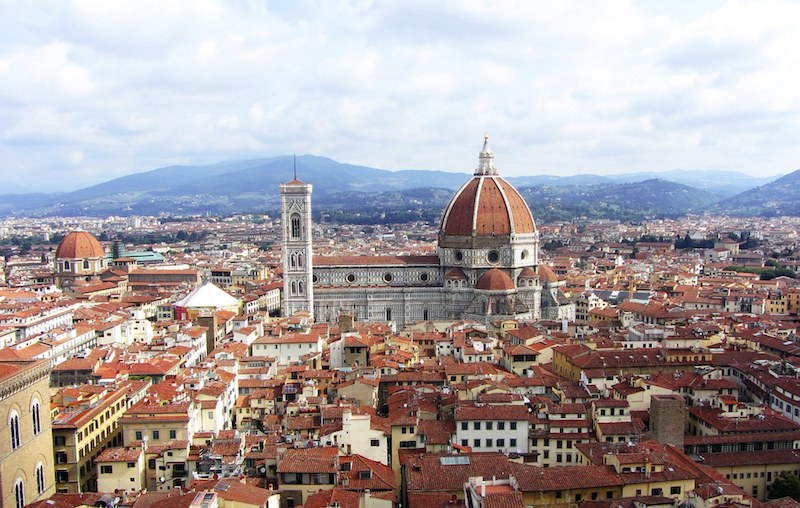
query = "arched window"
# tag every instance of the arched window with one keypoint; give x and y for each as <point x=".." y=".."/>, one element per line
<point x="300" y="288"/>
<point x="85" y="264"/>
<point x="295" y="226"/>
<point x="388" y="314"/>
<point x="293" y="260"/>
<point x="66" y="265"/>
<point x="36" y="416"/>
<point x="300" y="260"/>
<point x="40" y="478"/>
<point x="13" y="423"/>
<point x="19" y="493"/>
<point x="425" y="314"/>
<point x="294" y="288"/>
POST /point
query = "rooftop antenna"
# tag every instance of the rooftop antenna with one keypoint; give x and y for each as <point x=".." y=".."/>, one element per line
<point x="294" y="163"/>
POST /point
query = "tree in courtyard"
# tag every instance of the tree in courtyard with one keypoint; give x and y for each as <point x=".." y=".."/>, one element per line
<point x="785" y="485"/>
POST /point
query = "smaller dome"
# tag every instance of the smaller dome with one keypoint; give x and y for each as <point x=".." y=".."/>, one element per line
<point x="495" y="280"/>
<point x="547" y="274"/>
<point x="455" y="273"/>
<point x="79" y="245"/>
<point x="528" y="272"/>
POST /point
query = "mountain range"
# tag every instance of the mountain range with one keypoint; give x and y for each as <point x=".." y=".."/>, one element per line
<point x="252" y="186"/>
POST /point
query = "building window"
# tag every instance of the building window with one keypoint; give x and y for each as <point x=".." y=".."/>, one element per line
<point x="513" y="425"/>
<point x="138" y="435"/>
<point x="131" y="464"/>
<point x="464" y="442"/>
<point x="476" y="443"/>
<point x="173" y="434"/>
<point x="85" y="264"/>
<point x="156" y="435"/>
<point x="37" y="420"/>
<point x="675" y="490"/>
<point x="40" y="478"/>
<point x="488" y="443"/>
<point x="512" y="442"/>
<point x="374" y="442"/>
<point x="62" y="476"/>
<point x="476" y="425"/>
<point x="501" y="442"/>
<point x="61" y="440"/>
<point x="19" y="493"/>
<point x="295" y="226"/>
<point x="106" y="469"/>
<point x="501" y="425"/>
<point x="13" y="423"/>
<point x="464" y="425"/>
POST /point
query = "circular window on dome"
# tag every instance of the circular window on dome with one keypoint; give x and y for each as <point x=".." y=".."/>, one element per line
<point x="523" y="255"/>
<point x="493" y="256"/>
<point x="423" y="277"/>
<point x="459" y="256"/>
<point x="314" y="279"/>
<point x="387" y="277"/>
<point x="351" y="278"/>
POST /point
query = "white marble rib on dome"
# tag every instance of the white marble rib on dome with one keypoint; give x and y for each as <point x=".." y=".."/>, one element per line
<point x="208" y="296"/>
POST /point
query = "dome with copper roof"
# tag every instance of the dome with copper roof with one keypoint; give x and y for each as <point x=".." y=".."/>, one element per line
<point x="485" y="206"/>
<point x="79" y="245"/>
<point x="495" y="280"/>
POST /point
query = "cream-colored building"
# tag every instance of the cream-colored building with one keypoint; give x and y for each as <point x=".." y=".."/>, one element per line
<point x="86" y="422"/>
<point x="121" y="468"/>
<point x="26" y="445"/>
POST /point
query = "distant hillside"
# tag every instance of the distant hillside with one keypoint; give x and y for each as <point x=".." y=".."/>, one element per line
<point x="252" y="186"/>
<point x="721" y="183"/>
<point x="781" y="197"/>
<point x="632" y="201"/>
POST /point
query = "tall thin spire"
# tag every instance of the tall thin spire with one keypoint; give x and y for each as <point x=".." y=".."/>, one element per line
<point x="294" y="163"/>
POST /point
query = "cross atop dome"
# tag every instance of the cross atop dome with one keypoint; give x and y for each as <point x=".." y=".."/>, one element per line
<point x="486" y="160"/>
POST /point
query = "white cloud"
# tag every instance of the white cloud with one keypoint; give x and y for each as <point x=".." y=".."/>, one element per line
<point x="561" y="87"/>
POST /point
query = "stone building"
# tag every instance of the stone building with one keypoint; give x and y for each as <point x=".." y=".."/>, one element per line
<point x="486" y="267"/>
<point x="26" y="445"/>
<point x="79" y="258"/>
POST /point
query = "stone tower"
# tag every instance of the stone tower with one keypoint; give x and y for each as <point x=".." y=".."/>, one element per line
<point x="668" y="419"/>
<point x="298" y="287"/>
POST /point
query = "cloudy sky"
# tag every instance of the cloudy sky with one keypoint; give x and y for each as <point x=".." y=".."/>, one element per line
<point x="92" y="90"/>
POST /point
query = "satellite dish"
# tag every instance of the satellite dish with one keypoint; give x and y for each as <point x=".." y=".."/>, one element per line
<point x="263" y="470"/>
<point x="162" y="479"/>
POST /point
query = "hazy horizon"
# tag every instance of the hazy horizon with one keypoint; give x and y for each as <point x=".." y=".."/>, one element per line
<point x="92" y="91"/>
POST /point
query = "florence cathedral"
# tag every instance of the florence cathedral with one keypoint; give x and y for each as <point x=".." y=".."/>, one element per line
<point x="486" y="267"/>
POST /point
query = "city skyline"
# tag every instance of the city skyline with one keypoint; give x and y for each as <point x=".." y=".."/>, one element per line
<point x="95" y="91"/>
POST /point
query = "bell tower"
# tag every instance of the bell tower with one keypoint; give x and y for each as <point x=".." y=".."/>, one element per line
<point x="298" y="285"/>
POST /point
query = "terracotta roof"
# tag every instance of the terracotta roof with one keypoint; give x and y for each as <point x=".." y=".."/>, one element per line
<point x="120" y="454"/>
<point x="309" y="460"/>
<point x="489" y="206"/>
<point x="78" y="245"/>
<point x="375" y="260"/>
<point x="495" y="280"/>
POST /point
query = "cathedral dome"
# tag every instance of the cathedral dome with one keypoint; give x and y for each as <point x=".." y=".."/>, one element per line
<point x="485" y="206"/>
<point x="79" y="245"/>
<point x="546" y="274"/>
<point x="495" y="280"/>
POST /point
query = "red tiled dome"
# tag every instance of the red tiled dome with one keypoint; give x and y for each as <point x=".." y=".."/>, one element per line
<point x="487" y="206"/>
<point x="495" y="280"/>
<point x="79" y="245"/>
<point x="546" y="274"/>
<point x="528" y="272"/>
